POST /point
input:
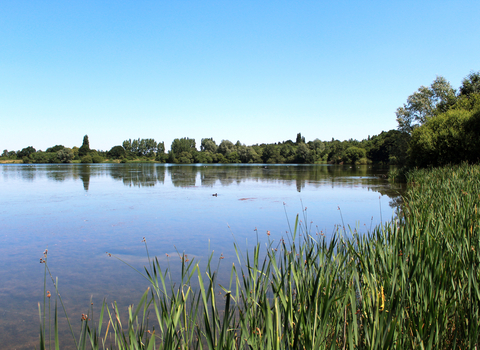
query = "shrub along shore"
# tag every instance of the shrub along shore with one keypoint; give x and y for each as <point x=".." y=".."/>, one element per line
<point x="412" y="283"/>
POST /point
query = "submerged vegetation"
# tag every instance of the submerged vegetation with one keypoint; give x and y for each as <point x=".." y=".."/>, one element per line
<point x="410" y="283"/>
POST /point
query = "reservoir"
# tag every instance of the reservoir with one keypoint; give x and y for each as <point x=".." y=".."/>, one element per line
<point x="81" y="212"/>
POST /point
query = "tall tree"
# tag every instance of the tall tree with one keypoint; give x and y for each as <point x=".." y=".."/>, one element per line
<point x="127" y="144"/>
<point x="25" y="152"/>
<point x="135" y="146"/>
<point x="161" y="148"/>
<point x="208" y="145"/>
<point x="470" y="84"/>
<point x="226" y="147"/>
<point x="85" y="148"/>
<point x="300" y="139"/>
<point x="183" y="145"/>
<point x="424" y="103"/>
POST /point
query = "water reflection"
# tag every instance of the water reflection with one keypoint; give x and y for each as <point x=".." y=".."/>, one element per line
<point x="85" y="177"/>
<point x="183" y="176"/>
<point x="149" y="175"/>
<point x="138" y="175"/>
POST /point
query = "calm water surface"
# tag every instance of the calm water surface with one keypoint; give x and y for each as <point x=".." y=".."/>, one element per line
<point x="80" y="212"/>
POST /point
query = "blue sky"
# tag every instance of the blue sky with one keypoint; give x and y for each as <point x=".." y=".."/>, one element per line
<point x="254" y="71"/>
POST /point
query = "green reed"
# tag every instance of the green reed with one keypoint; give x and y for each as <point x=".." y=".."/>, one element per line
<point x="411" y="283"/>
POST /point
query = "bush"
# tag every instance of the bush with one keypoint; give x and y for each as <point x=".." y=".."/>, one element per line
<point x="86" y="159"/>
<point x="97" y="159"/>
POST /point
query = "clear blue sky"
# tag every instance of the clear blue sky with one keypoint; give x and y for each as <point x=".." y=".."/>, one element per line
<point x="254" y="71"/>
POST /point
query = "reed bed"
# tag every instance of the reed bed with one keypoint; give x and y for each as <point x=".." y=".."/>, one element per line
<point x="411" y="283"/>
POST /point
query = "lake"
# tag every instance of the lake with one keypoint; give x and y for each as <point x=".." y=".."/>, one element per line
<point x="81" y="211"/>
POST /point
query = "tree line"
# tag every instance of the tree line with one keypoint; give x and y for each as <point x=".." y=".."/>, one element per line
<point x="380" y="148"/>
<point x="437" y="125"/>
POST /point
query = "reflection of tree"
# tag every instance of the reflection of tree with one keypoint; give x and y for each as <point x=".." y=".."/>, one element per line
<point x="208" y="176"/>
<point x="84" y="175"/>
<point x="29" y="172"/>
<point x="302" y="175"/>
<point x="183" y="176"/>
<point x="227" y="178"/>
<point x="300" y="184"/>
<point x="139" y="175"/>
<point x="58" y="173"/>
<point x="149" y="174"/>
<point x="395" y="193"/>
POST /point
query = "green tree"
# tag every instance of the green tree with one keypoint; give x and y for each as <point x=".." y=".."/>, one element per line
<point x="171" y="158"/>
<point x="135" y="146"/>
<point x="65" y="155"/>
<point x="287" y="151"/>
<point x="75" y="150"/>
<point x="448" y="138"/>
<point x="208" y="145"/>
<point x="219" y="158"/>
<point x="334" y="151"/>
<point x="203" y="157"/>
<point x="85" y="148"/>
<point x="247" y="154"/>
<point x="26" y="152"/>
<point x="424" y="103"/>
<point x="160" y="155"/>
<point x="233" y="157"/>
<point x="226" y="147"/>
<point x="43" y="157"/>
<point x="55" y="148"/>
<point x="300" y="139"/>
<point x="127" y="145"/>
<point x="318" y="145"/>
<point x="117" y="152"/>
<point x="353" y="154"/>
<point x="160" y="147"/>
<point x="146" y="147"/>
<point x="470" y="84"/>
<point x="388" y="147"/>
<point x="302" y="153"/>
<point x="271" y="154"/>
<point x="185" y="158"/>
<point x="183" y="145"/>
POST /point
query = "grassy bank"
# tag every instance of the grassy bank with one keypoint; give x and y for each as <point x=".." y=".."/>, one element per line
<point x="411" y="283"/>
<point x="16" y="161"/>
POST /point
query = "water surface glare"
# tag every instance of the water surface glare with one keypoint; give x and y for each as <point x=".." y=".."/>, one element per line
<point x="80" y="212"/>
